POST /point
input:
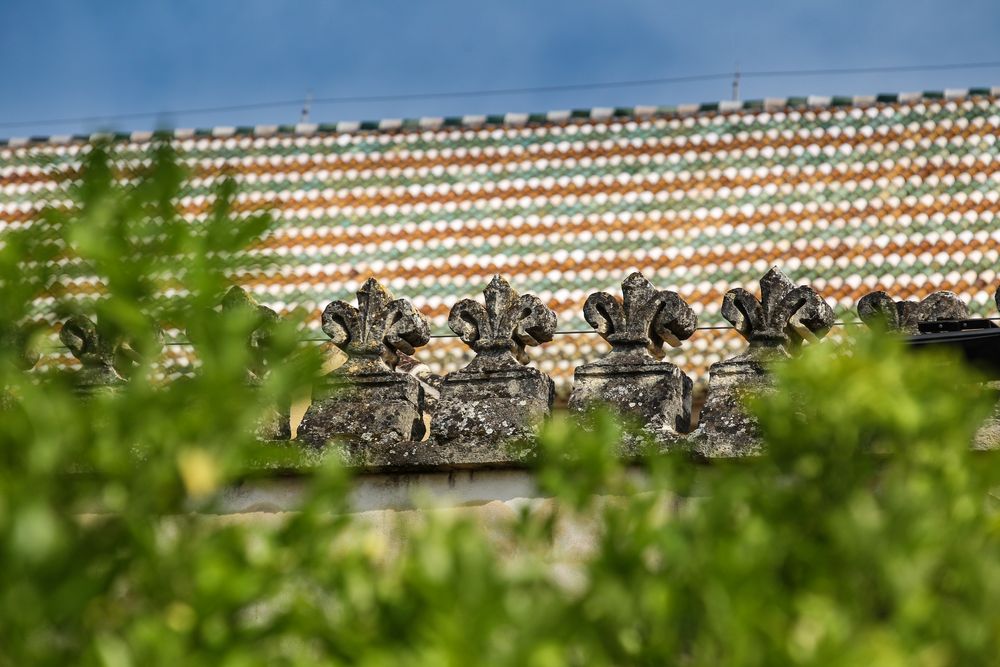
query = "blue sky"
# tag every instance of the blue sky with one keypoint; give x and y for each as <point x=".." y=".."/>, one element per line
<point x="72" y="58"/>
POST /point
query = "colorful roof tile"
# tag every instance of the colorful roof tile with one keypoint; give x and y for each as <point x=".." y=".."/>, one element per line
<point x="896" y="192"/>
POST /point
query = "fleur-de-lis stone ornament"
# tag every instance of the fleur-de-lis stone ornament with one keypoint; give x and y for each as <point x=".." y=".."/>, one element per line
<point x="878" y="309"/>
<point x="104" y="355"/>
<point x="366" y="402"/>
<point x="18" y="355"/>
<point x="496" y="398"/>
<point x="17" y="345"/>
<point x="265" y="319"/>
<point x="775" y="326"/>
<point x="632" y="378"/>
<point x="274" y="424"/>
<point x="880" y="312"/>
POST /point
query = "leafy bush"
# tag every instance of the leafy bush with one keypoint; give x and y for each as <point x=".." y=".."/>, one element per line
<point x="866" y="535"/>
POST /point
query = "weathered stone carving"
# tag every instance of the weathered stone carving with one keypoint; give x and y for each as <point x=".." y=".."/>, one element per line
<point x="496" y="398"/>
<point x="631" y="378"/>
<point x="274" y="424"/>
<point x="16" y="341"/>
<point x="105" y="355"/>
<point x="878" y="309"/>
<point x="775" y="328"/>
<point x="366" y="401"/>
<point x="19" y="356"/>
<point x="988" y="435"/>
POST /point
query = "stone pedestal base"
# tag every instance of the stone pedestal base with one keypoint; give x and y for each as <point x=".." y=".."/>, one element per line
<point x="479" y="414"/>
<point x="656" y="394"/>
<point x="373" y="409"/>
<point x="988" y="435"/>
<point x="96" y="381"/>
<point x="726" y="429"/>
<point x="275" y="424"/>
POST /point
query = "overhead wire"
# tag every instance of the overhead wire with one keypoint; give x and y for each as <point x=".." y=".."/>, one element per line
<point x="577" y="332"/>
<point x="570" y="332"/>
<point x="489" y="92"/>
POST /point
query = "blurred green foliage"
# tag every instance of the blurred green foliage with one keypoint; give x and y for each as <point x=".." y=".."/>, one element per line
<point x="866" y="535"/>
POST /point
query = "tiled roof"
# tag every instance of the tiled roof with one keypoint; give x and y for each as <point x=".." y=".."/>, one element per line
<point x="892" y="192"/>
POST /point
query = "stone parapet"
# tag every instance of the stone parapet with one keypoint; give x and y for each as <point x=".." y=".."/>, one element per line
<point x="384" y="409"/>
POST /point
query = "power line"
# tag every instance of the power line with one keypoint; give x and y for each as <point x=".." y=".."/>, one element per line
<point x="578" y="332"/>
<point x="569" y="332"/>
<point x="355" y="99"/>
<point x="833" y="71"/>
<point x="395" y="97"/>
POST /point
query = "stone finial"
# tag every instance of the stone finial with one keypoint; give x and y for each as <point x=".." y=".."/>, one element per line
<point x="275" y="423"/>
<point x="366" y="401"/>
<point x="775" y="326"/>
<point x="500" y="331"/>
<point x="879" y="309"/>
<point x="783" y="317"/>
<point x="642" y="321"/>
<point x="630" y="378"/>
<point x="21" y="355"/>
<point x="377" y="330"/>
<point x="103" y="354"/>
<point x="17" y="340"/>
<point x="496" y="398"/>
<point x="257" y="342"/>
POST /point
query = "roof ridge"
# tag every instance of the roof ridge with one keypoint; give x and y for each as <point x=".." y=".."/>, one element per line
<point x="520" y="119"/>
